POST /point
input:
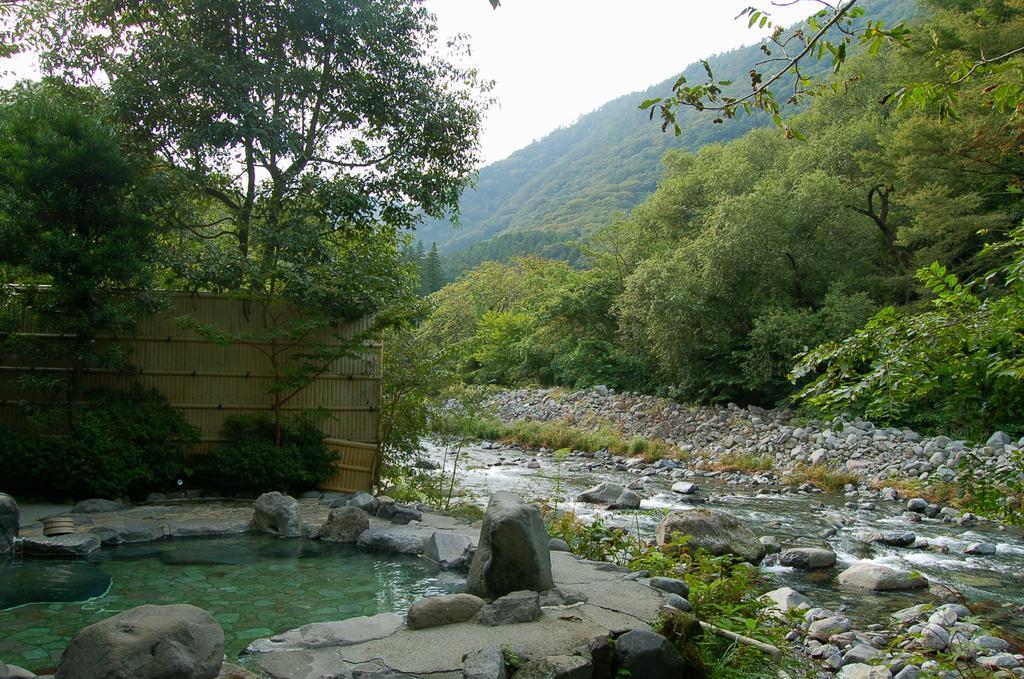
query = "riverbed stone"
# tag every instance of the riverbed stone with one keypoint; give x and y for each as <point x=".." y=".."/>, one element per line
<point x="96" y="506"/>
<point x="609" y="493"/>
<point x="157" y="642"/>
<point x="364" y="501"/>
<point x="487" y="663"/>
<point x="9" y="521"/>
<point x="513" y="551"/>
<point x="879" y="578"/>
<point x="980" y="548"/>
<point x="716" y="532"/>
<point x="443" y="610"/>
<point x="862" y="671"/>
<point x="860" y="653"/>
<point x="892" y="538"/>
<point x="826" y="627"/>
<point x="644" y="653"/>
<point x="448" y="550"/>
<point x="514" y="607"/>
<point x="685" y="488"/>
<point x="278" y="514"/>
<point x="787" y="598"/>
<point x="808" y="558"/>
<point x="345" y="524"/>
<point x="71" y="544"/>
<point x="556" y="667"/>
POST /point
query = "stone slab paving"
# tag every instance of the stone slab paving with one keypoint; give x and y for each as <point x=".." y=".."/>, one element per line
<point x="611" y="603"/>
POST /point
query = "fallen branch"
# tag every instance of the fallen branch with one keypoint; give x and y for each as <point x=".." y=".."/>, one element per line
<point x="773" y="651"/>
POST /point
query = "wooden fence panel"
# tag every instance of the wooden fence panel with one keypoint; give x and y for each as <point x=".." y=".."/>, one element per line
<point x="208" y="381"/>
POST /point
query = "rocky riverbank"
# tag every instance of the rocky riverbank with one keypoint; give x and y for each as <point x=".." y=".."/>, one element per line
<point x="714" y="436"/>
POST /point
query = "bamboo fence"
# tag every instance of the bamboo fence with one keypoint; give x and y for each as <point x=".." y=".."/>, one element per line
<point x="207" y="380"/>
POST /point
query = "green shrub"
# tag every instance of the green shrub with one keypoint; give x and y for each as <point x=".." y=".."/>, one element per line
<point x="118" y="443"/>
<point x="250" y="461"/>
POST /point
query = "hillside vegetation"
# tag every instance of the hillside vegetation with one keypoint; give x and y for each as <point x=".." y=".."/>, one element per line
<point x="889" y="239"/>
<point x="544" y="197"/>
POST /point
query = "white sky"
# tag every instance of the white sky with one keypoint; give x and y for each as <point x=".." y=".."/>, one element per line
<point x="554" y="60"/>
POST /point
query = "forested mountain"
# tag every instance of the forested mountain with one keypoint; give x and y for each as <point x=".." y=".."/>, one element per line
<point x="544" y="196"/>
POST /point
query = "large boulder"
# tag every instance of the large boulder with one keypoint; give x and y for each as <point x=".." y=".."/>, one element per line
<point x="608" y="493"/>
<point x="9" y="520"/>
<point x="443" y="610"/>
<point x="716" y="532"/>
<point x="392" y="539"/>
<point x="278" y="514"/>
<point x="148" y="642"/>
<point x="879" y="578"/>
<point x="513" y="550"/>
<point x="345" y="524"/>
<point x="644" y="653"/>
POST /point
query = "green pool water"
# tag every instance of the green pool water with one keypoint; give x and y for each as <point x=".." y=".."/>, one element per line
<point x="254" y="586"/>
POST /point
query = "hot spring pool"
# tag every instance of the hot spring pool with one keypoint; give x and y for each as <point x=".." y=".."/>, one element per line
<point x="253" y="585"/>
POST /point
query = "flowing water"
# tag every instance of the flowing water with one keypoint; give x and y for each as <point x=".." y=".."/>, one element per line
<point x="253" y="585"/>
<point x="992" y="584"/>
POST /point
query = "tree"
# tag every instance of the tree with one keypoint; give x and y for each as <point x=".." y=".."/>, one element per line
<point x="80" y="214"/>
<point x="309" y="133"/>
<point x="433" y="276"/>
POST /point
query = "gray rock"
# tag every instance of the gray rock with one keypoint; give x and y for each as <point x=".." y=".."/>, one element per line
<point x="646" y="654"/>
<point x="443" y="610"/>
<point x="998" y="441"/>
<point x="364" y="501"/>
<point x="917" y="504"/>
<point x="685" y="488"/>
<point x="487" y="663"/>
<point x="562" y="596"/>
<point x="345" y="524"/>
<point x="826" y="627"/>
<point x="191" y="528"/>
<point x="515" y="607"/>
<point x="386" y="507"/>
<point x="155" y="642"/>
<point x="513" y="552"/>
<point x="558" y="545"/>
<point x="448" y="550"/>
<point x="787" y="598"/>
<point x="715" y="531"/>
<point x="556" y="667"/>
<point x="934" y="637"/>
<point x="875" y="577"/>
<point x="673" y="585"/>
<point x="983" y="548"/>
<point x="119" y="534"/>
<point x="15" y="672"/>
<point x="278" y="514"/>
<point x="1001" y="661"/>
<point x="403" y="515"/>
<point x="862" y="671"/>
<point x="860" y="653"/>
<point x="991" y="643"/>
<point x="96" y="506"/>
<point x="608" y="493"/>
<point x="337" y="633"/>
<point x="678" y="602"/>
<point x="893" y="538"/>
<point x="772" y="544"/>
<point x="10" y="517"/>
<point x="392" y="539"/>
<point x="908" y="615"/>
<point x="72" y="544"/>
<point x="908" y="672"/>
<point x="808" y="558"/>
